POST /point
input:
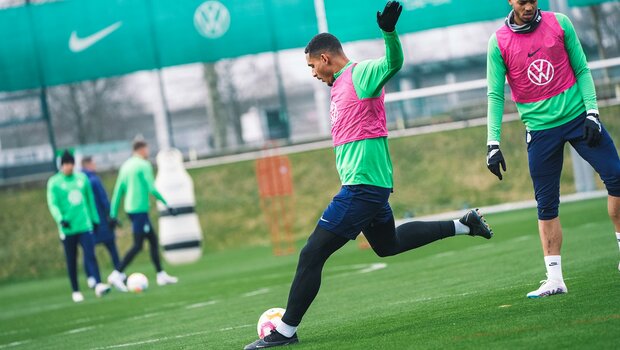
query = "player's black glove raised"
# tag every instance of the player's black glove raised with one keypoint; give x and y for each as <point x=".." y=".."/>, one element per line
<point x="592" y="130"/>
<point x="65" y="224"/>
<point x="388" y="18"/>
<point x="494" y="159"/>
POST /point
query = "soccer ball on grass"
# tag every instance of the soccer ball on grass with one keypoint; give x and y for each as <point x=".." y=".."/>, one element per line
<point x="268" y="321"/>
<point x="137" y="282"/>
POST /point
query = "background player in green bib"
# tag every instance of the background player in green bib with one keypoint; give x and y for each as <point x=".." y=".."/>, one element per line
<point x="72" y="205"/>
<point x="136" y="182"/>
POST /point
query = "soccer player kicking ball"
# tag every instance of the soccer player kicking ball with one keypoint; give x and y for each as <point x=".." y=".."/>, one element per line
<point x="363" y="162"/>
<point x="72" y="205"/>
<point x="541" y="56"/>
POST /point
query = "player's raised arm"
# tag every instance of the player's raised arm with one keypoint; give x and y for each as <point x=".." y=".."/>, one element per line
<point x="370" y="76"/>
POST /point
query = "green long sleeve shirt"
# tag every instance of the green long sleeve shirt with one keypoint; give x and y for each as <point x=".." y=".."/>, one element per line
<point x="70" y="198"/>
<point x="549" y="113"/>
<point x="136" y="182"/>
<point x="368" y="161"/>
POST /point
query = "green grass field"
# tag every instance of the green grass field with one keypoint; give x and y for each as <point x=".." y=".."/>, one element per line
<point x="459" y="293"/>
<point x="433" y="173"/>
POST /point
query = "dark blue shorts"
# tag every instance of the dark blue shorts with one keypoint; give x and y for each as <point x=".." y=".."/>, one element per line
<point x="354" y="208"/>
<point x="103" y="233"/>
<point x="545" y="151"/>
<point x="140" y="223"/>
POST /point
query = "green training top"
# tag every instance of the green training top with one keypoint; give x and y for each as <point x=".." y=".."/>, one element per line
<point x="135" y="181"/>
<point x="368" y="161"/>
<point x="546" y="114"/>
<point x="70" y="198"/>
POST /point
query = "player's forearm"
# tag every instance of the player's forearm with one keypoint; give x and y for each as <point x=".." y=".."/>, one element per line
<point x="495" y="111"/>
<point x="51" y="205"/>
<point x="158" y="196"/>
<point x="116" y="200"/>
<point x="496" y="77"/>
<point x="587" y="88"/>
<point x="394" y="57"/>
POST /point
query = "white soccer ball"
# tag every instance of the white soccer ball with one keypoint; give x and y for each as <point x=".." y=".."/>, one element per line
<point x="137" y="282"/>
<point x="269" y="320"/>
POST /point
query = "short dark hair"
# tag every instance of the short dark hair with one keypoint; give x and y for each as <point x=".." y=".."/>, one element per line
<point x="323" y="42"/>
<point x="67" y="158"/>
<point x="86" y="160"/>
<point x="139" y="144"/>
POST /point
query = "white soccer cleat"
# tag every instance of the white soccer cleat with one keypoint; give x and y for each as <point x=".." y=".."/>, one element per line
<point x="102" y="289"/>
<point x="91" y="281"/>
<point x="116" y="279"/>
<point x="163" y="278"/>
<point x="77" y="297"/>
<point x="549" y="287"/>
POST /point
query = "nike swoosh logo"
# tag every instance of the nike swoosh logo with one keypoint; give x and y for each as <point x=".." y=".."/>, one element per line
<point x="323" y="219"/>
<point x="530" y="54"/>
<point x="77" y="44"/>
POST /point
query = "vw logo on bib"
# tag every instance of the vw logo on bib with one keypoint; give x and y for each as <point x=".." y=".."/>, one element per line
<point x="212" y="19"/>
<point x="540" y="72"/>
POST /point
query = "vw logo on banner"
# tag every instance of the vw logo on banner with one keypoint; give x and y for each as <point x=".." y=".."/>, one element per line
<point x="212" y="19"/>
<point x="540" y="72"/>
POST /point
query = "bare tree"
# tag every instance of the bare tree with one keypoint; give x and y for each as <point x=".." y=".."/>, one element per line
<point x="92" y="110"/>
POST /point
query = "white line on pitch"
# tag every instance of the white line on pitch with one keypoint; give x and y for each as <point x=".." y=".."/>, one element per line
<point x="256" y="292"/>
<point x="79" y="330"/>
<point x="197" y="305"/>
<point x="15" y="343"/>
<point x="231" y="328"/>
<point x="139" y="317"/>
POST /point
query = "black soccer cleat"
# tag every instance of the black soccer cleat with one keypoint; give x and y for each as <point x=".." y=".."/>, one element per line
<point x="477" y="224"/>
<point x="271" y="340"/>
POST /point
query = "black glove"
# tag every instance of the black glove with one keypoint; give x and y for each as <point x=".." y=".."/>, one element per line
<point x="387" y="20"/>
<point x="113" y="223"/>
<point x="592" y="130"/>
<point x="65" y="224"/>
<point x="494" y="159"/>
<point x="172" y="211"/>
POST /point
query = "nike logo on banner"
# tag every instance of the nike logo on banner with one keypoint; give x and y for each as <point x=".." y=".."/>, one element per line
<point x="77" y="44"/>
<point x="530" y="54"/>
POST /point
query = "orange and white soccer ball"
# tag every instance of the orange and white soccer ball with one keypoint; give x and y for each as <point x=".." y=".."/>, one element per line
<point x="268" y="321"/>
<point x="137" y="282"/>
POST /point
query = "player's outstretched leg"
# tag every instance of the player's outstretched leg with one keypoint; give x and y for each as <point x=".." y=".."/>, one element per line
<point x="477" y="224"/>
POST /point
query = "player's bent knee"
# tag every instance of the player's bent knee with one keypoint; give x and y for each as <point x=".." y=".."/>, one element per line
<point x="613" y="186"/>
<point x="547" y="213"/>
<point x="384" y="252"/>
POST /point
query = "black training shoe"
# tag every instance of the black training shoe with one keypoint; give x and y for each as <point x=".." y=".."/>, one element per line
<point x="271" y="340"/>
<point x="476" y="223"/>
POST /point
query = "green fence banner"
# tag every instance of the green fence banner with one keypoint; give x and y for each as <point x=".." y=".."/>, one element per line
<point x="74" y="40"/>
<point x="198" y="30"/>
<point x="18" y="64"/>
<point x="357" y="21"/>
<point x="578" y="3"/>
